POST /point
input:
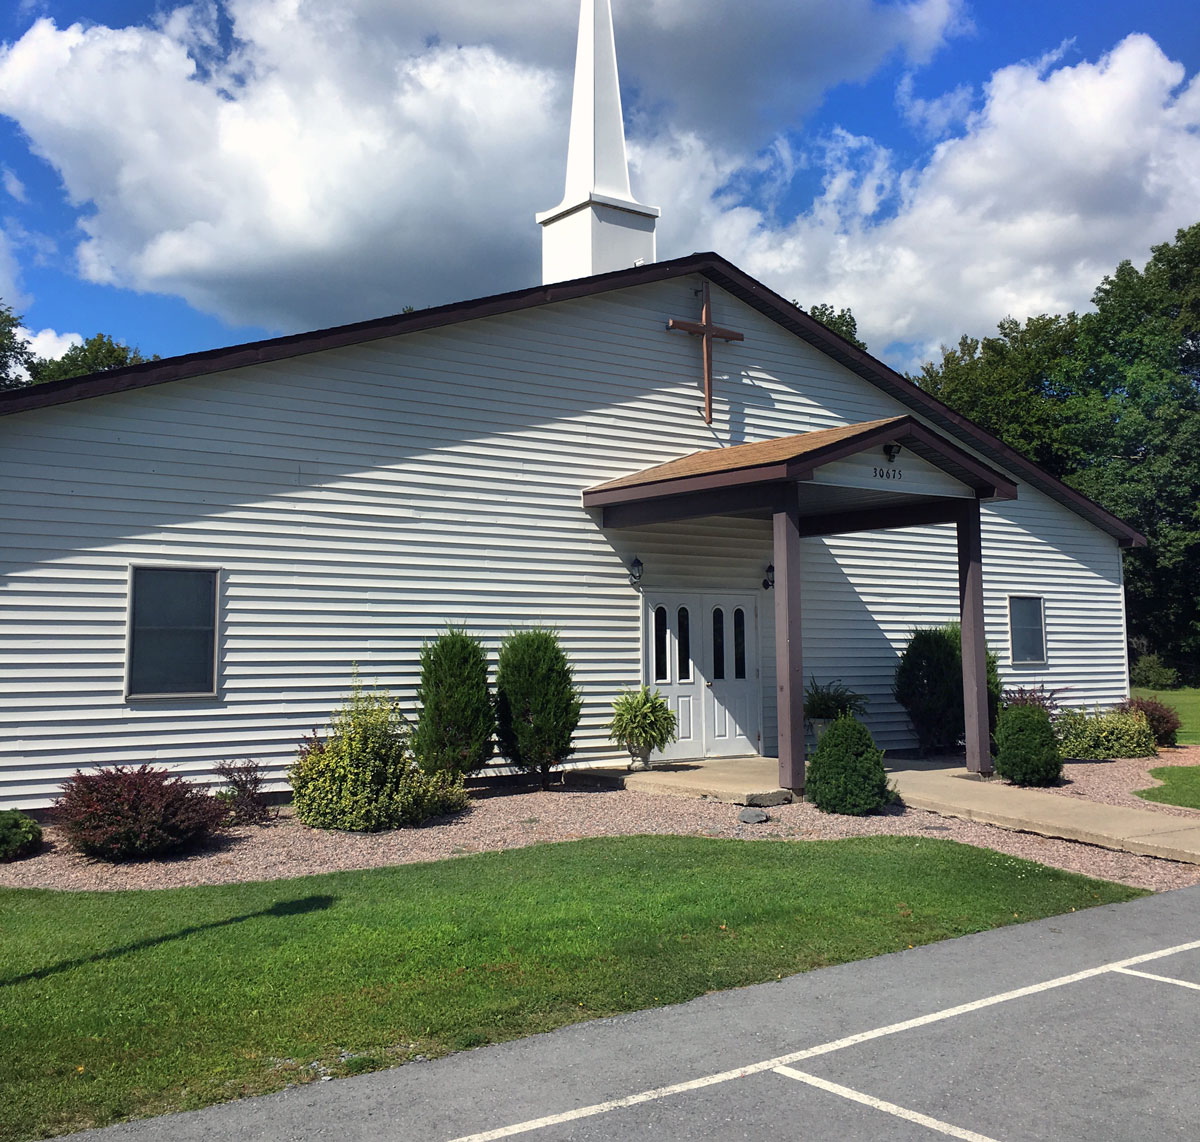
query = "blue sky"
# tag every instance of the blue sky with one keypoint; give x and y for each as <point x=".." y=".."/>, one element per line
<point x="188" y="176"/>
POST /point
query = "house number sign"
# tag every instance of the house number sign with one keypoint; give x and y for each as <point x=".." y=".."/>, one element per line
<point x="887" y="473"/>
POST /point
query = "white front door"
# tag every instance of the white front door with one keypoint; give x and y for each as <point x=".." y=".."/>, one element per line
<point x="702" y="654"/>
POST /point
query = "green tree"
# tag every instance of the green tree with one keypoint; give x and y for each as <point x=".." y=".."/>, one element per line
<point x="458" y="719"/>
<point x="15" y="355"/>
<point x="98" y="354"/>
<point x="840" y="321"/>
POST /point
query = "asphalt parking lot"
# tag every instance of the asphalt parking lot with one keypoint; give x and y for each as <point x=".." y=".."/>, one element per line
<point x="1080" y="1027"/>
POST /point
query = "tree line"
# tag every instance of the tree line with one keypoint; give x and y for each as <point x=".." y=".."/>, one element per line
<point x="20" y="367"/>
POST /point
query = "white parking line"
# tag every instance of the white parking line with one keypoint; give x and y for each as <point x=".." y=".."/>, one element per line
<point x="1160" y="978"/>
<point x="887" y="1107"/>
<point x="812" y="1052"/>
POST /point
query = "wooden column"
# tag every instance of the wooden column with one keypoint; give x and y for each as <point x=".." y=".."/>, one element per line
<point x="789" y="665"/>
<point x="974" y="643"/>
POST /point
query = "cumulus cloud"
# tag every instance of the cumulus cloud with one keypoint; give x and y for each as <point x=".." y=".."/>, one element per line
<point x="48" y="342"/>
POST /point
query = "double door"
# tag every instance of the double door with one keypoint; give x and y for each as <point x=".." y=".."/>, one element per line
<point x="702" y="654"/>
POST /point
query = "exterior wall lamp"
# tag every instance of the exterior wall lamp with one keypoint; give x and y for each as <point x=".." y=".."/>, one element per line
<point x="891" y="451"/>
<point x="769" y="581"/>
<point x="635" y="572"/>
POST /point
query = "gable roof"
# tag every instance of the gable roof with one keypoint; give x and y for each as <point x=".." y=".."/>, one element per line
<point x="712" y="266"/>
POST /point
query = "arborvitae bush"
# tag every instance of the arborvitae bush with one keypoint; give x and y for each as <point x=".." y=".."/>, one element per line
<point x="1027" y="750"/>
<point x="929" y="686"/>
<point x="1164" y="720"/>
<point x="457" y="720"/>
<point x="362" y="777"/>
<point x="1150" y="673"/>
<point x="20" y="835"/>
<point x="846" y="774"/>
<point x="537" y="704"/>
<point x="1104" y="735"/>
<point x="126" y="814"/>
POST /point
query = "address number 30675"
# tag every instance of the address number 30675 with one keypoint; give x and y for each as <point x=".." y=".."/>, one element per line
<point x="888" y="473"/>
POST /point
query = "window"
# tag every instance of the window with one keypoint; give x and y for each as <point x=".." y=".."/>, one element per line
<point x="739" y="643"/>
<point x="172" y="633"/>
<point x="684" y="645"/>
<point x="718" y="644"/>
<point x="1027" y="627"/>
<point x="661" y="670"/>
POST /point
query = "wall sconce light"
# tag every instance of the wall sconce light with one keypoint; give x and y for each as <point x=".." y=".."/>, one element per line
<point x="635" y="572"/>
<point x="769" y="581"/>
<point x="891" y="451"/>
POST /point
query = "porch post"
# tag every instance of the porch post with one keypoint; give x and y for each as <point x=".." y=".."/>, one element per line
<point x="974" y="644"/>
<point x="789" y="667"/>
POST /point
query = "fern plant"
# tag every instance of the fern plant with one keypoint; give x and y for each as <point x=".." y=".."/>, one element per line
<point x="641" y="723"/>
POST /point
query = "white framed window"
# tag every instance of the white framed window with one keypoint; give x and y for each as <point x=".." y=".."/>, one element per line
<point x="171" y="645"/>
<point x="1027" y="629"/>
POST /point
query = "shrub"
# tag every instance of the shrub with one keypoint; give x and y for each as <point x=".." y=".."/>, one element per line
<point x="20" y="835"/>
<point x="1164" y="720"/>
<point x="537" y="705"/>
<point x="457" y="720"/>
<point x="362" y="777"/>
<point x="1102" y="736"/>
<point x="1027" y="750"/>
<point x="127" y="814"/>
<point x="1037" y="697"/>
<point x="642" y="722"/>
<point x="1151" y="673"/>
<point x="243" y="796"/>
<point x="929" y="686"/>
<point x="832" y="700"/>
<point x="846" y="774"/>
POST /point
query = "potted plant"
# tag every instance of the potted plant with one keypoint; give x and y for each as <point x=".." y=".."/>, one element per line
<point x="642" y="722"/>
<point x="824" y="704"/>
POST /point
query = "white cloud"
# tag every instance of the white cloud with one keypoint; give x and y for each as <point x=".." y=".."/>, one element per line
<point x="11" y="293"/>
<point x="339" y="161"/>
<point x="935" y="117"/>
<point x="48" y="342"/>
<point x="13" y="186"/>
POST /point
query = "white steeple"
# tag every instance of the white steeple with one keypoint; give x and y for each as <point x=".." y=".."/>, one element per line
<point x="598" y="226"/>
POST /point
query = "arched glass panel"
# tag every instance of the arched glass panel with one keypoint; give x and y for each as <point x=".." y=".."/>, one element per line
<point x="718" y="644"/>
<point x="661" y="667"/>
<point x="739" y="643"/>
<point x="683" y="645"/>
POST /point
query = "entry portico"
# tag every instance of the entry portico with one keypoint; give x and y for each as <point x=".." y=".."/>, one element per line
<point x="883" y="474"/>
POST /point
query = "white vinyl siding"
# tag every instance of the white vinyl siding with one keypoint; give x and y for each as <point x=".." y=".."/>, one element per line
<point x="360" y="500"/>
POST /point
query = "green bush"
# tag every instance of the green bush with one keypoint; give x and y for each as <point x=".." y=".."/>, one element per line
<point x="1104" y="735"/>
<point x="642" y="722"/>
<point x="831" y="700"/>
<point x="929" y="686"/>
<point x="457" y="720"/>
<point x="1164" y="720"/>
<point x="1027" y="750"/>
<point x="1149" y="672"/>
<point x="537" y="705"/>
<point x="362" y="777"/>
<point x="20" y="835"/>
<point x="846" y="774"/>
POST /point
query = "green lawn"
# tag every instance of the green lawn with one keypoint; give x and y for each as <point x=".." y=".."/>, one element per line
<point x="1181" y="786"/>
<point x="130" y="1003"/>
<point x="1187" y="703"/>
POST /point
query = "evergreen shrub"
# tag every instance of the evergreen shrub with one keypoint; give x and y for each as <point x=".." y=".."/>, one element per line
<point x="1164" y="720"/>
<point x="458" y="719"/>
<point x="537" y="704"/>
<point x="1102" y="736"/>
<point x="243" y="794"/>
<point x="20" y="835"/>
<point x="929" y="686"/>
<point x="1026" y="748"/>
<point x="1149" y="672"/>
<point x="128" y="814"/>
<point x="362" y="777"/>
<point x="846" y="774"/>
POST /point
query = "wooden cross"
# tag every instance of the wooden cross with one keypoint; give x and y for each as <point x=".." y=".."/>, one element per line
<point x="707" y="332"/>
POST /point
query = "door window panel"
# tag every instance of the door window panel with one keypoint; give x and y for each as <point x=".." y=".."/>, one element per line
<point x="718" y="644"/>
<point x="683" y="644"/>
<point x="739" y="643"/>
<point x="661" y="667"/>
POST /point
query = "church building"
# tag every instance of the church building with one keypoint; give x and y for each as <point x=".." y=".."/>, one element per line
<point x="693" y="482"/>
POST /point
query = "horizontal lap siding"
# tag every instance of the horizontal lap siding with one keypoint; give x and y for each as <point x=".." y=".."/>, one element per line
<point x="359" y="500"/>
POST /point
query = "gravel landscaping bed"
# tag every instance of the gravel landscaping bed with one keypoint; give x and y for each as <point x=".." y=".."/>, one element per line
<point x="514" y="817"/>
<point x="1113" y="782"/>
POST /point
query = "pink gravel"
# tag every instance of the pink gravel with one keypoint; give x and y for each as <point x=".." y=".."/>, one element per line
<point x="511" y="818"/>
<point x="1114" y="782"/>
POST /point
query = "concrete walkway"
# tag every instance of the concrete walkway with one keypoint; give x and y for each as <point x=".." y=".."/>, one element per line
<point x="943" y="787"/>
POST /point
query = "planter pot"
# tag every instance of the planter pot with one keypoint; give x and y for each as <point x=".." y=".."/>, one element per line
<point x="639" y="757"/>
<point x="819" y="726"/>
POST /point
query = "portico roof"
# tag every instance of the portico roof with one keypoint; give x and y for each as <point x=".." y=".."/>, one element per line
<point x="745" y="476"/>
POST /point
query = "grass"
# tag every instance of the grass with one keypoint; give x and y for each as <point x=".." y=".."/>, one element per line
<point x="121" y="1004"/>
<point x="1186" y="703"/>
<point x="1181" y="786"/>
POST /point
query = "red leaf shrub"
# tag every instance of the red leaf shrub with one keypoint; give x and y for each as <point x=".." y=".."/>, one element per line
<point x="1164" y="720"/>
<point x="123" y="814"/>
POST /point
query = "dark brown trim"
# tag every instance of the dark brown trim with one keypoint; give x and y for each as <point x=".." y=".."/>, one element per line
<point x="977" y="736"/>
<point x="715" y="268"/>
<point x="922" y="511"/>
<point x="789" y="640"/>
<point x="671" y="509"/>
<point x="686" y="485"/>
